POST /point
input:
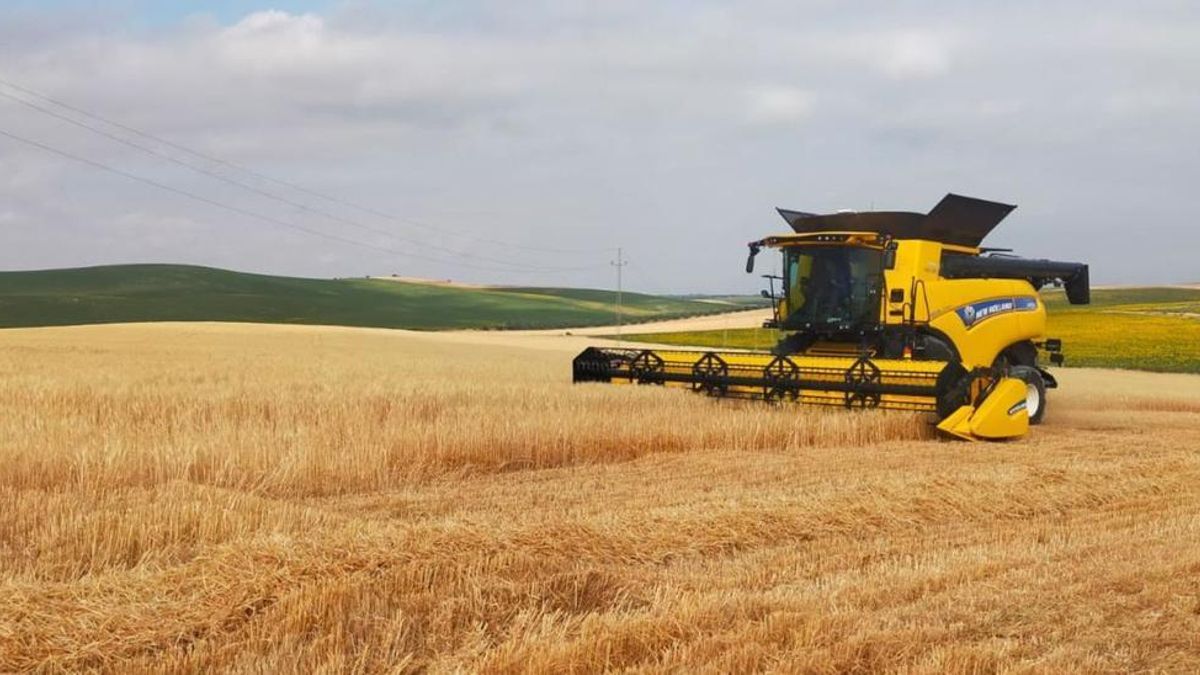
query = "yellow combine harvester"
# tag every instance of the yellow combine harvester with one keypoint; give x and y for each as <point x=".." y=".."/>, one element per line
<point x="891" y="310"/>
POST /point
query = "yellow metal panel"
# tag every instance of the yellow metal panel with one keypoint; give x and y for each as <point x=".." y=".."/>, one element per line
<point x="1002" y="415"/>
<point x="979" y="344"/>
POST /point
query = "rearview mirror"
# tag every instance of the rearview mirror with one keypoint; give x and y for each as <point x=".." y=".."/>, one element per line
<point x="889" y="256"/>
<point x="765" y="294"/>
<point x="750" y="260"/>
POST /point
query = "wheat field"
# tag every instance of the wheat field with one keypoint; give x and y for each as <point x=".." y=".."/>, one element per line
<point x="200" y="497"/>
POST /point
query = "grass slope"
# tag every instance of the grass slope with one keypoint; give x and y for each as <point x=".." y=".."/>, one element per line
<point x="1155" y="329"/>
<point x="125" y="293"/>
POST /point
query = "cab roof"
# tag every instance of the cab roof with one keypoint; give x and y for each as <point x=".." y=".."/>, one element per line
<point x="959" y="220"/>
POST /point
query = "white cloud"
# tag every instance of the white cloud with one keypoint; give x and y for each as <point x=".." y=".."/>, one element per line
<point x="574" y="125"/>
<point x="277" y="42"/>
<point x="778" y="104"/>
<point x="914" y="54"/>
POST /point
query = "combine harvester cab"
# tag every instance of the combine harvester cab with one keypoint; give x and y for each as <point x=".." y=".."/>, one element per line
<point x="891" y="310"/>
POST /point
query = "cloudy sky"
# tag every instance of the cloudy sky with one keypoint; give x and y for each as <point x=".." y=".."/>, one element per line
<point x="523" y="142"/>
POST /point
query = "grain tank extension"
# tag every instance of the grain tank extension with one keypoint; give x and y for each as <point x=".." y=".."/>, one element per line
<point x="887" y="309"/>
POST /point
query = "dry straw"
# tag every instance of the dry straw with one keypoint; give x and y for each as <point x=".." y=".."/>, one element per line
<point x="190" y="498"/>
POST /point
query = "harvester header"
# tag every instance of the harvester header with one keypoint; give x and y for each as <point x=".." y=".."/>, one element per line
<point x="887" y="309"/>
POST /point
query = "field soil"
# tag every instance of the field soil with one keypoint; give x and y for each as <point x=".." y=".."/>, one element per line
<point x="199" y="497"/>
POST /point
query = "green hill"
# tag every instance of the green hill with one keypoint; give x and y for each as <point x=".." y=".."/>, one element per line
<point x="123" y="293"/>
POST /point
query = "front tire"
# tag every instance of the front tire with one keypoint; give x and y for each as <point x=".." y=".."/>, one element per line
<point x="1035" y="391"/>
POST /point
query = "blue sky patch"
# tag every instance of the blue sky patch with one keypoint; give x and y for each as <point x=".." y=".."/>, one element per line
<point x="150" y="13"/>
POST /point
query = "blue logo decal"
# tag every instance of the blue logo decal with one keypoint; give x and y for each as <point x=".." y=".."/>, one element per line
<point x="978" y="311"/>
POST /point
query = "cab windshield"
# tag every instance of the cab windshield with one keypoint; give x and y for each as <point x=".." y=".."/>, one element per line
<point x="831" y="287"/>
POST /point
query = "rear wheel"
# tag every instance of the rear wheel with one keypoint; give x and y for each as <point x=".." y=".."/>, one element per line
<point x="1035" y="391"/>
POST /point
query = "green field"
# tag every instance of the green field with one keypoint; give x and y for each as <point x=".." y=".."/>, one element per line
<point x="123" y="293"/>
<point x="1138" y="328"/>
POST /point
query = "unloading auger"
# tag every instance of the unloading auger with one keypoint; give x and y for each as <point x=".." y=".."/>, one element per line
<point x="887" y="309"/>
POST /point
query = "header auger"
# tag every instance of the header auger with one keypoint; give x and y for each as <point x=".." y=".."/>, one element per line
<point x="891" y="310"/>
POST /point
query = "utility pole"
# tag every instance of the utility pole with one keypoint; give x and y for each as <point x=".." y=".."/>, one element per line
<point x="619" y="263"/>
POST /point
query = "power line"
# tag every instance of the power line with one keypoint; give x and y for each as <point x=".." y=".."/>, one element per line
<point x="620" y="264"/>
<point x="264" y="177"/>
<point x="237" y="209"/>
<point x="294" y="204"/>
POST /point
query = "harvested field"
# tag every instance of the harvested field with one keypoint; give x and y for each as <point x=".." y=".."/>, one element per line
<point x="190" y="497"/>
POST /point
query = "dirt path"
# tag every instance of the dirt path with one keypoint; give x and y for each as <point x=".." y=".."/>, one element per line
<point x="444" y="283"/>
<point x="752" y="318"/>
<point x="575" y="339"/>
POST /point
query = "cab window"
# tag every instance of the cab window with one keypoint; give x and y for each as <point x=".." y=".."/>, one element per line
<point x="835" y="287"/>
